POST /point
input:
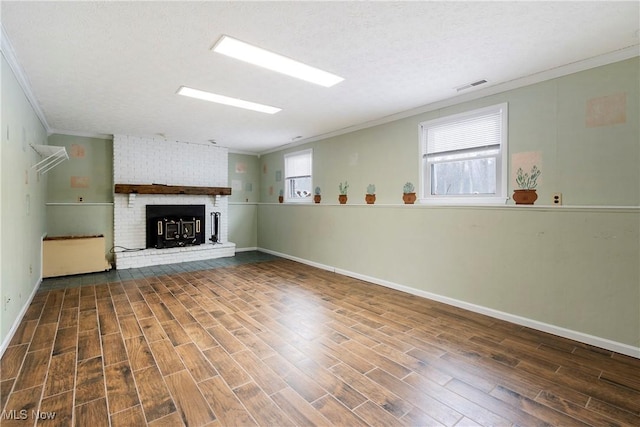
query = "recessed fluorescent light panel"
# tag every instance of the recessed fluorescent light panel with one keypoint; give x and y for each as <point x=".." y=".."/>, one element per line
<point x="272" y="61"/>
<point x="221" y="99"/>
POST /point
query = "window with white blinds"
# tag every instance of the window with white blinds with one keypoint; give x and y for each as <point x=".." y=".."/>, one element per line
<point x="298" y="171"/>
<point x="476" y="132"/>
<point x="464" y="157"/>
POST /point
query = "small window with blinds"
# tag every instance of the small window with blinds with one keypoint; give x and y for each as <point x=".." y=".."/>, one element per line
<point x="297" y="176"/>
<point x="464" y="157"/>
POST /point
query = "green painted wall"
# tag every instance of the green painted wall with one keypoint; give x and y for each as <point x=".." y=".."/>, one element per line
<point x="243" y="225"/>
<point x="571" y="267"/>
<point x="87" y="175"/>
<point x="22" y="201"/>
<point x="244" y="179"/>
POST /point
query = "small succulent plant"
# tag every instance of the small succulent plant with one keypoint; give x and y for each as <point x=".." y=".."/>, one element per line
<point x="317" y="191"/>
<point x="281" y="193"/>
<point x="408" y="188"/>
<point x="528" y="181"/>
<point x="371" y="189"/>
<point x="343" y="187"/>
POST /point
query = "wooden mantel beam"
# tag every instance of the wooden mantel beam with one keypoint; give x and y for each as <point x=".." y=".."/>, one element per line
<point x="171" y="189"/>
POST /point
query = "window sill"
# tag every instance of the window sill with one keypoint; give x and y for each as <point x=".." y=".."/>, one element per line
<point x="298" y="201"/>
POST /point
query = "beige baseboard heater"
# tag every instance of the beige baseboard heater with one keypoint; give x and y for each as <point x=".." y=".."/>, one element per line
<point x="67" y="255"/>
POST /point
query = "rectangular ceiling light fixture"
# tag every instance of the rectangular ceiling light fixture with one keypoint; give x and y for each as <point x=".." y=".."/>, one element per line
<point x="221" y="99"/>
<point x="272" y="61"/>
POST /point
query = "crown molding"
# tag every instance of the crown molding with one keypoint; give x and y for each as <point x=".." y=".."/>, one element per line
<point x="81" y="134"/>
<point x="564" y="70"/>
<point x="247" y="153"/>
<point x="9" y="54"/>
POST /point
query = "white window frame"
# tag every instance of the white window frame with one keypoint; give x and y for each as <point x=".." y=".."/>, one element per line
<point x="500" y="196"/>
<point x="287" y="186"/>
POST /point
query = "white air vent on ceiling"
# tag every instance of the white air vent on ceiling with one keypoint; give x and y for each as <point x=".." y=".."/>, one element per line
<point x="470" y="85"/>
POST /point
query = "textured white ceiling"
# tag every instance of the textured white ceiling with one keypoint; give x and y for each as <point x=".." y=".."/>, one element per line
<point x="115" y="67"/>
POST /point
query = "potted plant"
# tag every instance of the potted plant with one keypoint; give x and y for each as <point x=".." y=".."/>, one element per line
<point x="370" y="197"/>
<point x="527" y="182"/>
<point x="343" y="187"/>
<point x="317" y="197"/>
<point x="409" y="194"/>
<point x="281" y="196"/>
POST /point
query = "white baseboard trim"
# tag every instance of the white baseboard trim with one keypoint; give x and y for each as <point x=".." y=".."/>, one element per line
<point x="255" y="248"/>
<point x="300" y="260"/>
<point x="16" y="323"/>
<point x="513" y="318"/>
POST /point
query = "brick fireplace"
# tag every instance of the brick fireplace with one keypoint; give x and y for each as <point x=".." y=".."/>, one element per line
<point x="143" y="162"/>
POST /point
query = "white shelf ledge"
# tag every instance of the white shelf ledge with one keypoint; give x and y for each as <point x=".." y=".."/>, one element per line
<point x="79" y="204"/>
<point x="53" y="156"/>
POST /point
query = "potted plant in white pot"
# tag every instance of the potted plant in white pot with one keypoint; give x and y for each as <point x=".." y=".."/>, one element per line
<point x="527" y="183"/>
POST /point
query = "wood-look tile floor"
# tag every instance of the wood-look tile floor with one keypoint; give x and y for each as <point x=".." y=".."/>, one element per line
<point x="279" y="343"/>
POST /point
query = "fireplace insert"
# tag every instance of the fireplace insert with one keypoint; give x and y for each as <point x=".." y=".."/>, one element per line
<point x="170" y="226"/>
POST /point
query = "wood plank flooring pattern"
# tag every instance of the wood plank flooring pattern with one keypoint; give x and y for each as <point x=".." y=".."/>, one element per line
<point x="280" y="343"/>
